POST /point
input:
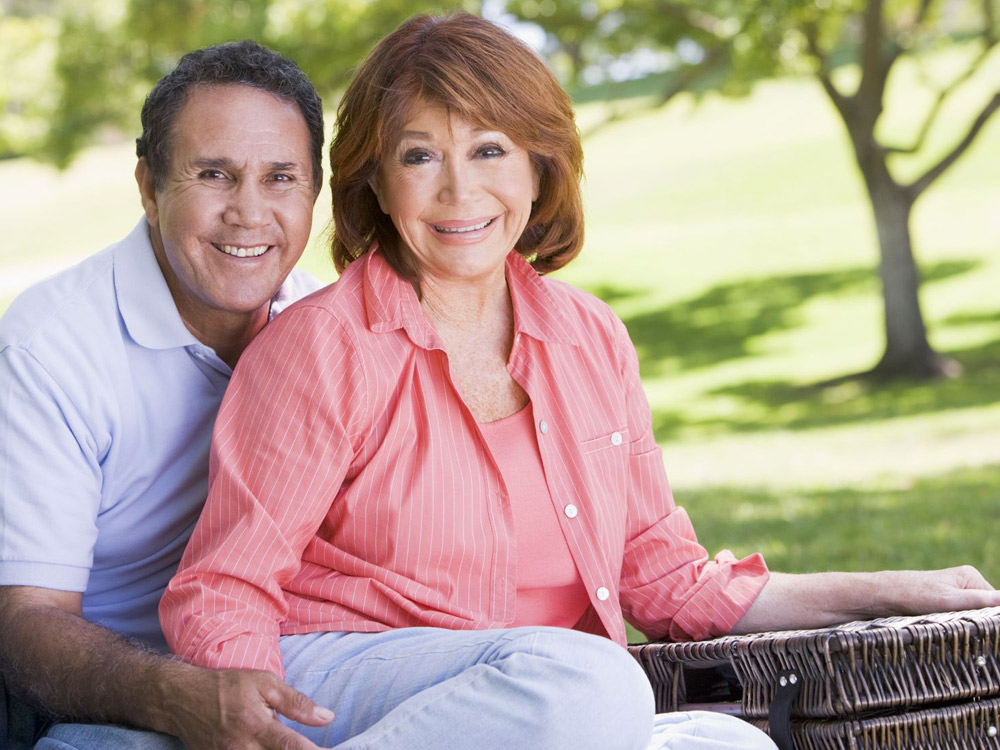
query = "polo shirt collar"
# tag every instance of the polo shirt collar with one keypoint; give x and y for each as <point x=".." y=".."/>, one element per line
<point x="391" y="303"/>
<point x="144" y="298"/>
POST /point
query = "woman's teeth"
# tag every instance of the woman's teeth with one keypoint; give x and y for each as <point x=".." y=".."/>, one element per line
<point x="460" y="230"/>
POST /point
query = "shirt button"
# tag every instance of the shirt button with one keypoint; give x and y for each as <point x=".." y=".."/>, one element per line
<point x="570" y="511"/>
<point x="543" y="427"/>
<point x="603" y="594"/>
<point x="616" y="438"/>
<point x="517" y="339"/>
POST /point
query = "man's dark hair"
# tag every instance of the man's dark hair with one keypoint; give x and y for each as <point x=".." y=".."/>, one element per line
<point x="244" y="63"/>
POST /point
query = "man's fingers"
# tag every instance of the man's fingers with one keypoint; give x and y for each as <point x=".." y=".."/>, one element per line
<point x="297" y="706"/>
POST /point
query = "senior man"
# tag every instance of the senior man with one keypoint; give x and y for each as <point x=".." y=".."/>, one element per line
<point x="111" y="374"/>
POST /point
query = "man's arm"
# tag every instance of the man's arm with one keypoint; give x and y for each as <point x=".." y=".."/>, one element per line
<point x="78" y="670"/>
<point x="818" y="600"/>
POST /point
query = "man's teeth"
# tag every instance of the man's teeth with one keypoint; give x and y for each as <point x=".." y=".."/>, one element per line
<point x="459" y="230"/>
<point x="243" y="252"/>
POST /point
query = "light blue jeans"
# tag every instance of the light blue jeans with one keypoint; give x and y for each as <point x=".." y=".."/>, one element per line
<point x="537" y="688"/>
<point x="426" y="688"/>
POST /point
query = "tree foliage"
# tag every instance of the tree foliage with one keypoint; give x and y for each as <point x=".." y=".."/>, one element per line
<point x="100" y="59"/>
<point x="853" y="47"/>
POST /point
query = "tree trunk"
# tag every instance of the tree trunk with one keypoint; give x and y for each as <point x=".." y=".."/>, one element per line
<point x="908" y="353"/>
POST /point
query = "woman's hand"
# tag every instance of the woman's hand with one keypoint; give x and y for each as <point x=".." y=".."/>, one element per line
<point x="916" y="592"/>
<point x="818" y="600"/>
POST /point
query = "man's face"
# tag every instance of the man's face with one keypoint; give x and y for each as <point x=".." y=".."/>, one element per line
<point x="234" y="212"/>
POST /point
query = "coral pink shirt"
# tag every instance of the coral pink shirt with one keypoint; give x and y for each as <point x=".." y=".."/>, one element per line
<point x="550" y="590"/>
<point x="351" y="488"/>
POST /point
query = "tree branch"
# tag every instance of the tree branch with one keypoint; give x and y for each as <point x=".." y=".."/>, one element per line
<point x="878" y="54"/>
<point x="925" y="6"/>
<point x="690" y="75"/>
<point x="840" y="101"/>
<point x="942" y="96"/>
<point x="925" y="180"/>
<point x="697" y="19"/>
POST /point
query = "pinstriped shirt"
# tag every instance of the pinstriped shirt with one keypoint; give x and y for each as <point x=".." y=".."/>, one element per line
<point x="352" y="489"/>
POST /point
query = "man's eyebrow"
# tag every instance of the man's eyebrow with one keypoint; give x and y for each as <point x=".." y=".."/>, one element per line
<point x="224" y="163"/>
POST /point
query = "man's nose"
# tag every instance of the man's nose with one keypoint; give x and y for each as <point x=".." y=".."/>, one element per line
<point x="247" y="206"/>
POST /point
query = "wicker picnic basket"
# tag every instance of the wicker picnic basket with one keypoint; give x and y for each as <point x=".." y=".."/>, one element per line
<point x="897" y="682"/>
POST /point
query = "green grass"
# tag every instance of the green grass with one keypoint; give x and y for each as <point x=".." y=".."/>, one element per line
<point x="734" y="240"/>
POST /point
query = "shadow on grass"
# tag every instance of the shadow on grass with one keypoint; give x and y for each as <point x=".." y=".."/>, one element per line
<point x="946" y="520"/>
<point x="801" y="407"/>
<point x="720" y="324"/>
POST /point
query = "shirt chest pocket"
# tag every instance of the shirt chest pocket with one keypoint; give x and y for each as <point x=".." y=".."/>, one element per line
<point x="606" y="460"/>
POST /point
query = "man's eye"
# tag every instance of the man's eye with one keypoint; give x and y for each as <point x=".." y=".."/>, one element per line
<point x="416" y="156"/>
<point x="281" y="177"/>
<point x="212" y="174"/>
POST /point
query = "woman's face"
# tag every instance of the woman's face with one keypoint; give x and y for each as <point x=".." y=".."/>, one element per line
<point x="459" y="195"/>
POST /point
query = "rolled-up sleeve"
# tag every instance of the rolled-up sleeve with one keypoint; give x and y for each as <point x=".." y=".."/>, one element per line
<point x="670" y="587"/>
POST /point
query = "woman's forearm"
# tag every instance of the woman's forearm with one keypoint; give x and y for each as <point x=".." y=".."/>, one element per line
<point x="816" y="600"/>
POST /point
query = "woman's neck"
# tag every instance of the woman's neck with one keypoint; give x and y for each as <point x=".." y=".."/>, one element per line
<point x="464" y="304"/>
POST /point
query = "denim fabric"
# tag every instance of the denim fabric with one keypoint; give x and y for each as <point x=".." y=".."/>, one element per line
<point x="104" y="737"/>
<point x="538" y="688"/>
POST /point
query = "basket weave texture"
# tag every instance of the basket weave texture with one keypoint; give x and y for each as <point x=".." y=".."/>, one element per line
<point x="850" y="670"/>
<point x="969" y="726"/>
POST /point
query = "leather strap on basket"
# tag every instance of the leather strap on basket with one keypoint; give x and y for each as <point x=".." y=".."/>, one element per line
<point x="779" y="716"/>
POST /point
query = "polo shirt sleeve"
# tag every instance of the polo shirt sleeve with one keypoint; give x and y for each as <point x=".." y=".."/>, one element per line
<point x="50" y="480"/>
<point x="669" y="585"/>
<point x="280" y="451"/>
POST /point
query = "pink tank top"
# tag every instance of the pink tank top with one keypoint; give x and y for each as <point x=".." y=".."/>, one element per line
<point x="549" y="588"/>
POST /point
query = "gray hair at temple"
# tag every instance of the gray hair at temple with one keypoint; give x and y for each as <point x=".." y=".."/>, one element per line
<point x="243" y="63"/>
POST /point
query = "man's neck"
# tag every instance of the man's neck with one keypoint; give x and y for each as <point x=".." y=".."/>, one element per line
<point x="227" y="333"/>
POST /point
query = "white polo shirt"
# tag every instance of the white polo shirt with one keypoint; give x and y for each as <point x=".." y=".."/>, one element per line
<point x="107" y="404"/>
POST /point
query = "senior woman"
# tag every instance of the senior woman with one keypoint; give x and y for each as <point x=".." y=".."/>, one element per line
<point x="435" y="490"/>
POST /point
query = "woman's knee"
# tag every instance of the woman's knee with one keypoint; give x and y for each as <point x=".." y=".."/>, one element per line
<point x="599" y="697"/>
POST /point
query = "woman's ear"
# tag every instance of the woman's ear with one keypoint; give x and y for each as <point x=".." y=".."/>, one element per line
<point x="373" y="184"/>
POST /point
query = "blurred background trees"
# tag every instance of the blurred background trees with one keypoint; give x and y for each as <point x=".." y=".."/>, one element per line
<point x="727" y="44"/>
<point x="75" y="70"/>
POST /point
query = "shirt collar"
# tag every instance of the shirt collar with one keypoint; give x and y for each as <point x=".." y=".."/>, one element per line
<point x="144" y="299"/>
<point x="391" y="303"/>
<point x="148" y="308"/>
<point x="536" y="312"/>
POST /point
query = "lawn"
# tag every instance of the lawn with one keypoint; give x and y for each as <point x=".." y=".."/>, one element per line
<point x="734" y="240"/>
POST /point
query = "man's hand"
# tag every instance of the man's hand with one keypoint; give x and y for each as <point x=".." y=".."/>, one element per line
<point x="79" y="670"/>
<point x="233" y="708"/>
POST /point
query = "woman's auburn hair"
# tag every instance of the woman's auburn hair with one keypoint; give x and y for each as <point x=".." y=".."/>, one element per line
<point x="481" y="73"/>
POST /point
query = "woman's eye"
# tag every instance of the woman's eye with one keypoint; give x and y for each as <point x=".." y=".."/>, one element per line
<point x="416" y="156"/>
<point x="490" y="151"/>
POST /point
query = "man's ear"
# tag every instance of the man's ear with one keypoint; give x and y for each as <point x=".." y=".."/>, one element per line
<point x="373" y="184"/>
<point x="147" y="191"/>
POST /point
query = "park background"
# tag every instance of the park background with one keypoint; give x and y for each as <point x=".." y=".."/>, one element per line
<point x="728" y="224"/>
